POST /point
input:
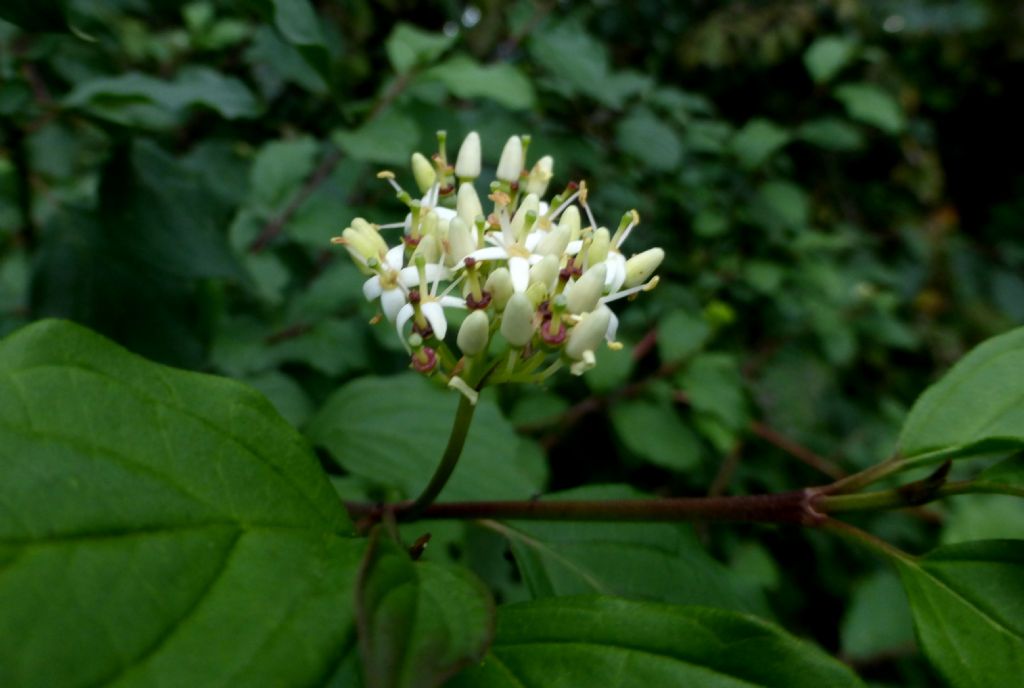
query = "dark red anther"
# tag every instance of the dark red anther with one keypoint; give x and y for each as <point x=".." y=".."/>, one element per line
<point x="572" y="186"/>
<point x="469" y="262"/>
<point x="414" y="296"/>
<point x="514" y="186"/>
<point x="424" y="360"/>
<point x="447" y="189"/>
<point x="553" y="338"/>
<point x="545" y="309"/>
<point x="473" y="304"/>
<point x="411" y="242"/>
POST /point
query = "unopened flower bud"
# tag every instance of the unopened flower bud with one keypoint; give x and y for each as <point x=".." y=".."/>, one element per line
<point x="511" y="162"/>
<point x="460" y="240"/>
<point x="588" y="333"/>
<point x="642" y="265"/>
<point x="599" y="246"/>
<point x="540" y="175"/>
<point x="545" y="272"/>
<point x="517" y="320"/>
<point x="537" y="294"/>
<point x="499" y="286"/>
<point x="428" y="225"/>
<point x="429" y="247"/>
<point x="571" y="219"/>
<point x="467" y="165"/>
<point x="528" y="208"/>
<point x="358" y="245"/>
<point x="585" y="293"/>
<point x="467" y="204"/>
<point x="423" y="171"/>
<point x="474" y="333"/>
<point x="554" y="242"/>
<point x="371" y="234"/>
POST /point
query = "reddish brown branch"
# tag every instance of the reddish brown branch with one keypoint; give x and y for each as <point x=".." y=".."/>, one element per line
<point x="784" y="507"/>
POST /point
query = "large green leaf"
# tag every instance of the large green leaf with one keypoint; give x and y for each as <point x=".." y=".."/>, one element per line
<point x="1006" y="477"/>
<point x="503" y="83"/>
<point x="870" y="104"/>
<point x="636" y="560"/>
<point x="159" y="527"/>
<point x="392" y="431"/>
<point x="827" y="56"/>
<point x="419" y="623"/>
<point x="978" y="406"/>
<point x="968" y="604"/>
<point x="386" y="139"/>
<point x="604" y="641"/>
<point x="137" y="99"/>
<point x="408" y="46"/>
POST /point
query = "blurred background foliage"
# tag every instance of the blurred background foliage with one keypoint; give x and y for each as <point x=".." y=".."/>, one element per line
<point x="836" y="183"/>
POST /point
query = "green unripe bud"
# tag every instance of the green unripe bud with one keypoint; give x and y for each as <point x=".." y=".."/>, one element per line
<point x="537" y="293"/>
<point x="517" y="321"/>
<point x="467" y="164"/>
<point x="587" y="290"/>
<point x="428" y="226"/>
<point x="642" y="265"/>
<point x="511" y="162"/>
<point x="540" y="175"/>
<point x="499" y="286"/>
<point x="554" y="242"/>
<point x="467" y="204"/>
<point x="474" y="333"/>
<point x="358" y="245"/>
<point x="545" y="272"/>
<point x="429" y="247"/>
<point x="571" y="219"/>
<point x="423" y="172"/>
<point x="460" y="240"/>
<point x="521" y="221"/>
<point x="588" y="333"/>
<point x="599" y="246"/>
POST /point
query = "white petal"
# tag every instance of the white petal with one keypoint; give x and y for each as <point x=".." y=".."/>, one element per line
<point x="489" y="253"/>
<point x="391" y="300"/>
<point x="395" y="257"/>
<point x="371" y="288"/>
<point x="613" y="327"/>
<point x="574" y="247"/>
<point x="452" y="302"/>
<point x="445" y="214"/>
<point x="520" y="269"/>
<point x="410" y="276"/>
<point x="434" y="314"/>
<point x="616" y="263"/>
<point x="533" y="238"/>
<point x="542" y="210"/>
<point x="403" y="317"/>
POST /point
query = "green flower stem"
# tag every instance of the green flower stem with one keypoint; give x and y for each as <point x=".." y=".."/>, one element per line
<point x="456" y="440"/>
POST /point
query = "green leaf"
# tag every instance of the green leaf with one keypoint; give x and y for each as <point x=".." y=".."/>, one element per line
<point x="279" y="169"/>
<point x="832" y="134"/>
<point x="968" y="604"/>
<point x="392" y="431"/>
<point x="1006" y="476"/>
<point x="387" y="139"/>
<point x="297" y="22"/>
<point x="877" y="618"/>
<point x="409" y="47"/>
<point x="827" y="56"/>
<point x="655" y="432"/>
<point x="635" y="560"/>
<point x="597" y="641"/>
<point x="503" y="83"/>
<point x="136" y="99"/>
<point x="783" y="204"/>
<point x="159" y="213"/>
<point x="649" y="140"/>
<point x="870" y="104"/>
<point x="680" y="335"/>
<point x="419" y="623"/>
<point x="977" y="406"/>
<point x="159" y="526"/>
<point x="757" y="141"/>
<point x="714" y="385"/>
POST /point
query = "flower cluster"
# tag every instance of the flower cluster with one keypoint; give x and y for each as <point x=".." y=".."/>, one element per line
<point x="535" y="281"/>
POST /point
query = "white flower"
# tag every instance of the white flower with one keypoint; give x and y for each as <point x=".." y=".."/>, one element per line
<point x="392" y="282"/>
